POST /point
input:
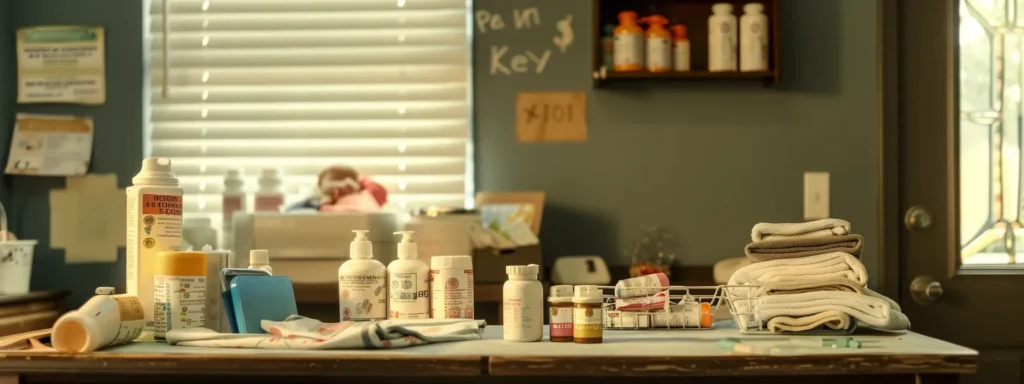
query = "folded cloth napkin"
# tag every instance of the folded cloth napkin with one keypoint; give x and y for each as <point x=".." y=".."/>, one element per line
<point x="829" y="319"/>
<point x="790" y="231"/>
<point x="788" y="287"/>
<point x="297" y="332"/>
<point x="868" y="310"/>
<point x="817" y="268"/>
<point x="765" y="250"/>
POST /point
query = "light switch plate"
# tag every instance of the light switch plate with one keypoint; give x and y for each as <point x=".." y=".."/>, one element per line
<point x="816" y="199"/>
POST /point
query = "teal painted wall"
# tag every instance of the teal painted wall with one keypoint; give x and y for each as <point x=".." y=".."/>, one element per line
<point x="118" y="143"/>
<point x="709" y="159"/>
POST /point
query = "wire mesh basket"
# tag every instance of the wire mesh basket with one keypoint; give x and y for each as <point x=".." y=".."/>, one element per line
<point x="742" y="303"/>
<point x="675" y="307"/>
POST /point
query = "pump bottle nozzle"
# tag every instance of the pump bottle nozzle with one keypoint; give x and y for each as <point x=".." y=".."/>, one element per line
<point x="406" y="248"/>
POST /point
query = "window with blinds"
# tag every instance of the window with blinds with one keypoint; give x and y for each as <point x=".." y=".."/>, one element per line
<point x="381" y="85"/>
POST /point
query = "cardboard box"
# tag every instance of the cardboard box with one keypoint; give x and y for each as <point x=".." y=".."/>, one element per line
<point x="489" y="264"/>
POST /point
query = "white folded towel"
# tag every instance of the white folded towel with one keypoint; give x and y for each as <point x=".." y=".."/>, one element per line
<point x="823" y="267"/>
<point x="817" y="228"/>
<point x="867" y="310"/>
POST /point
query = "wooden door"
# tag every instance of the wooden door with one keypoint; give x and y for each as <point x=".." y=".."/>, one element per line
<point x="958" y="78"/>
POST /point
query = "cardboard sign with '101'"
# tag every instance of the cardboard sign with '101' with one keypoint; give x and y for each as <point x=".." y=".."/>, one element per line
<point x="551" y="117"/>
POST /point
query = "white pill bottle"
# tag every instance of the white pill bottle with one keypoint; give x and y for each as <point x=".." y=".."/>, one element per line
<point x="451" y="287"/>
<point x="523" y="304"/>
<point x="362" y="283"/>
<point x="722" y="39"/>
<point x="753" y="38"/>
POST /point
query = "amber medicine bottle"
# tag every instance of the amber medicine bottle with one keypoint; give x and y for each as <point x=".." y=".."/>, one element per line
<point x="586" y="315"/>
<point x="560" y="314"/>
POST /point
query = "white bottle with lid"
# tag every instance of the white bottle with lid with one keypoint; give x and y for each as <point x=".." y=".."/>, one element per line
<point x="199" y="232"/>
<point x="722" y="39"/>
<point x="753" y="38"/>
<point x="361" y="282"/>
<point x="260" y="259"/>
<point x="154" y="225"/>
<point x="233" y="198"/>
<point x="408" y="282"/>
<point x="451" y="287"/>
<point x="523" y="304"/>
<point x="269" y="197"/>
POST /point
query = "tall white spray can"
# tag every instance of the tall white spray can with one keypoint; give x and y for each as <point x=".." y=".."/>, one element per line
<point x="154" y="225"/>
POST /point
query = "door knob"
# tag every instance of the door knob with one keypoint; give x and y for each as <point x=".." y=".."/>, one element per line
<point x="925" y="290"/>
<point x="917" y="218"/>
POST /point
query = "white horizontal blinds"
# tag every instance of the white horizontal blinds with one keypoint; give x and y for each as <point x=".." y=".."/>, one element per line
<point x="300" y="84"/>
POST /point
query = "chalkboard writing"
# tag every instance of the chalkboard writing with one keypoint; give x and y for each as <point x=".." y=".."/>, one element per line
<point x="507" y="62"/>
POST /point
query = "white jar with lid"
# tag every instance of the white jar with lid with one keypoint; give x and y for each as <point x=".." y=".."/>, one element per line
<point x="753" y="38"/>
<point x="451" y="287"/>
<point x="523" y="304"/>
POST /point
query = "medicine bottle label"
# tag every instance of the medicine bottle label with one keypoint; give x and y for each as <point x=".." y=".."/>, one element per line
<point x="229" y="205"/>
<point x="628" y="52"/>
<point x="409" y="296"/>
<point x="561" y="321"/>
<point x="362" y="297"/>
<point x="586" y="322"/>
<point x="154" y="226"/>
<point x="659" y="53"/>
<point x="132" y="317"/>
<point x="180" y="302"/>
<point x="451" y="294"/>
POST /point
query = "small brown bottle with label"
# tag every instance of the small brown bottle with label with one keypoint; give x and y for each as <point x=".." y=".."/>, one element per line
<point x="587" y="319"/>
<point x="560" y="314"/>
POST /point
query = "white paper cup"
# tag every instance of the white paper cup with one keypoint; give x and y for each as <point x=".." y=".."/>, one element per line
<point x="15" y="266"/>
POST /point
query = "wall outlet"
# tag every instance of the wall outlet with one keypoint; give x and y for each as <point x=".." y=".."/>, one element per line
<point x="816" y="195"/>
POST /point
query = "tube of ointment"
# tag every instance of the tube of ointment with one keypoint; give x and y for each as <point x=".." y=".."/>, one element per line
<point x="641" y="286"/>
<point x="104" y="321"/>
<point x="644" y="303"/>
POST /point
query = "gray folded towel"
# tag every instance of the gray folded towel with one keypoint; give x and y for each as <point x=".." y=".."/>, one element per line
<point x="767" y="250"/>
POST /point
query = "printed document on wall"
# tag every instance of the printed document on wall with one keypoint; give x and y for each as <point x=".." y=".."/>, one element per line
<point x="50" y="145"/>
<point x="61" y="64"/>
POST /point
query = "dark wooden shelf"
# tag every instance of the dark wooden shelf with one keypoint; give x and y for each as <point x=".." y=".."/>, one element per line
<point x="767" y="75"/>
<point x="694" y="15"/>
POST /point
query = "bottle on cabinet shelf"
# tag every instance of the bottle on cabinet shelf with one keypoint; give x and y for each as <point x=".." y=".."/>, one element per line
<point x="722" y="39"/>
<point x="680" y="49"/>
<point x="753" y="38"/>
<point x="659" y="44"/>
<point x="608" y="47"/>
<point x="629" y="43"/>
<point x="233" y="198"/>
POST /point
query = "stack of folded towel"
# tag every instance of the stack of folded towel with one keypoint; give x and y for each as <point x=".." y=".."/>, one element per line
<point x="805" y="276"/>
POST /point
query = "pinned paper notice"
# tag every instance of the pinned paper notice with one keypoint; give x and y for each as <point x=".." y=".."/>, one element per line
<point x="50" y="145"/>
<point x="87" y="219"/>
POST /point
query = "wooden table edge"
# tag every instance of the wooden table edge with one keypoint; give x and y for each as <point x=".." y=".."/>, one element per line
<point x="732" y="365"/>
<point x="263" y="364"/>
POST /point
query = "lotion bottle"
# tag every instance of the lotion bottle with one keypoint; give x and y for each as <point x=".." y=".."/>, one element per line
<point x="233" y="198"/>
<point x="722" y="39"/>
<point x="361" y="282"/>
<point x="629" y="43"/>
<point x="680" y="49"/>
<point x="523" y="304"/>
<point x="753" y="38"/>
<point x="154" y="225"/>
<point x="659" y="44"/>
<point x="408" y="282"/>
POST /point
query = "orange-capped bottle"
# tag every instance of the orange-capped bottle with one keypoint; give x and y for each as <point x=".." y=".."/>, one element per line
<point x="629" y="43"/>
<point x="680" y="49"/>
<point x="659" y="44"/>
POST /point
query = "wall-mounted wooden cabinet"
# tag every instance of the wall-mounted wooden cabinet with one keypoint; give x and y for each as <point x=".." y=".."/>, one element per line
<point x="694" y="15"/>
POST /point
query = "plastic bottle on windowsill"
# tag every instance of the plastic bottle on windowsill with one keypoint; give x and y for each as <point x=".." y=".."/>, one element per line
<point x="269" y="197"/>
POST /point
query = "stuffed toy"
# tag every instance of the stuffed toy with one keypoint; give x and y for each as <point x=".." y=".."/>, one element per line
<point x="340" y="188"/>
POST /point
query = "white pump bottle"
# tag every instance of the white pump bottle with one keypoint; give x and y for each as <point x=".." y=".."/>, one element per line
<point x="361" y="282"/>
<point x="408" y="282"/>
